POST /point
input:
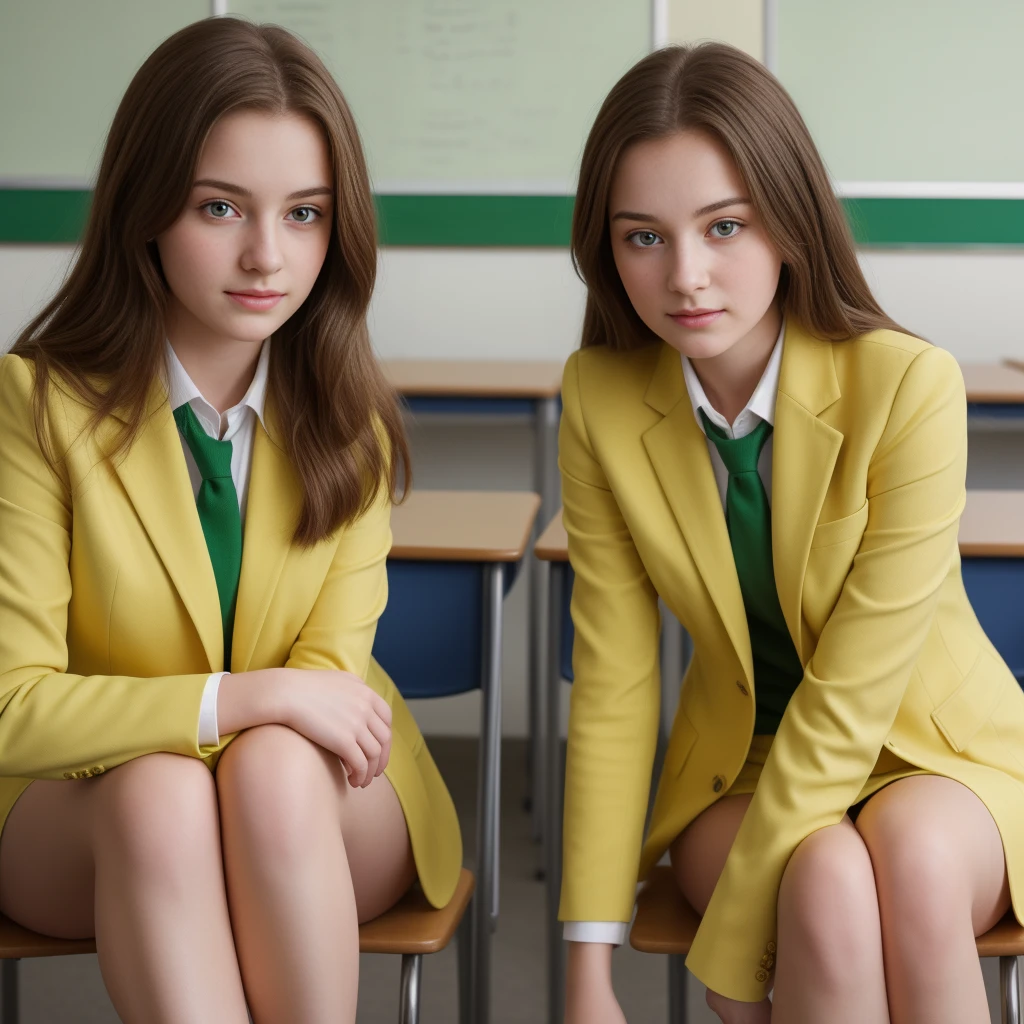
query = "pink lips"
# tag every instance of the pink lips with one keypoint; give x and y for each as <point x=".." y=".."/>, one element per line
<point x="257" y="300"/>
<point x="696" y="318"/>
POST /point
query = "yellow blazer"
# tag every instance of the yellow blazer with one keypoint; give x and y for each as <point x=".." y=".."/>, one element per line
<point x="110" y="621"/>
<point x="870" y="450"/>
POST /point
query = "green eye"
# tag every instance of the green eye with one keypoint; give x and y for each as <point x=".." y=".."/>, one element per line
<point x="643" y="239"/>
<point x="219" y="209"/>
<point x="305" y="214"/>
<point x="725" y="229"/>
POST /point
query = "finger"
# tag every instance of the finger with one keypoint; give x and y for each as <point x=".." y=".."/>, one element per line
<point x="382" y="734"/>
<point x="355" y="761"/>
<point x="385" y="755"/>
<point x="371" y="750"/>
<point x="382" y="708"/>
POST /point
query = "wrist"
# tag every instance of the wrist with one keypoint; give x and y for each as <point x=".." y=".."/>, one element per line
<point x="248" y="699"/>
<point x="589" y="962"/>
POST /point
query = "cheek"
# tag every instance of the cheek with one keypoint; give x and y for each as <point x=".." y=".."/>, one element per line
<point x="639" y="279"/>
<point x="754" y="275"/>
<point x="190" y="259"/>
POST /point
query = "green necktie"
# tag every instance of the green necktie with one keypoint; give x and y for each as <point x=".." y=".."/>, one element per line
<point x="217" y="505"/>
<point x="749" y="517"/>
<point x="777" y="667"/>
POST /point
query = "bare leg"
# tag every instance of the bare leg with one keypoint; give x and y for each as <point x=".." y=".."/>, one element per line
<point x="132" y="857"/>
<point x="307" y="857"/>
<point x="941" y="878"/>
<point x="817" y="976"/>
<point x="829" y="965"/>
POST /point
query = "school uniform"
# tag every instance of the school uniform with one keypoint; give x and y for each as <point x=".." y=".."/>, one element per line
<point x="871" y="661"/>
<point x="112" y="632"/>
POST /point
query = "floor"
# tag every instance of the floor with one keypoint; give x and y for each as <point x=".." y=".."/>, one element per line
<point x="69" y="990"/>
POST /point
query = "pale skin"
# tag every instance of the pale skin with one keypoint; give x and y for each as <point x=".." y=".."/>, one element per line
<point x="209" y="892"/>
<point x="877" y="919"/>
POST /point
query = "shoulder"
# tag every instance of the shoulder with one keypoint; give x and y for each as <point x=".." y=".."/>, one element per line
<point x="885" y="362"/>
<point x="601" y="372"/>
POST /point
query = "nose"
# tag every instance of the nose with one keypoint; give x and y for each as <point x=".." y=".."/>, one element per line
<point x="689" y="268"/>
<point x="262" y="251"/>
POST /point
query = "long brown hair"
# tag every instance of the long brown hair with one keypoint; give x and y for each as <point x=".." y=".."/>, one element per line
<point x="102" y="335"/>
<point x="718" y="89"/>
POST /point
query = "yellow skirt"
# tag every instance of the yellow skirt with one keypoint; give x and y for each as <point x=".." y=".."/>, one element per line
<point x="888" y="768"/>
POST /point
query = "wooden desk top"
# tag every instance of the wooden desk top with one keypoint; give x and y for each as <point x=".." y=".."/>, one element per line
<point x="992" y="526"/>
<point x="553" y="543"/>
<point x="991" y="383"/>
<point x="474" y="378"/>
<point x="463" y="526"/>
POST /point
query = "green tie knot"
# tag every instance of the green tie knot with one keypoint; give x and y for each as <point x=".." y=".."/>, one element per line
<point x="739" y="454"/>
<point x="213" y="457"/>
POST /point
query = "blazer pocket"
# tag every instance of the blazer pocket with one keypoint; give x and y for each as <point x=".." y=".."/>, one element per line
<point x="839" y="530"/>
<point x="970" y="705"/>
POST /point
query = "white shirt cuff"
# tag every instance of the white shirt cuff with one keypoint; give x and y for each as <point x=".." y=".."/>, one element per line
<point x="209" y="734"/>
<point x="596" y="931"/>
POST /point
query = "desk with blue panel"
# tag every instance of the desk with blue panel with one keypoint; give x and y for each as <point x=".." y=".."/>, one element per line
<point x="995" y="395"/>
<point x="454" y="557"/>
<point x="500" y="390"/>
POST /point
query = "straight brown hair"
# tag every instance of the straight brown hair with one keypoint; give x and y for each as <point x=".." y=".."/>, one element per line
<point x="720" y="90"/>
<point x="101" y="337"/>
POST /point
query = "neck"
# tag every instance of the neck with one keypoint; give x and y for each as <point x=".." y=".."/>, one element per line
<point x="729" y="379"/>
<point x="222" y="368"/>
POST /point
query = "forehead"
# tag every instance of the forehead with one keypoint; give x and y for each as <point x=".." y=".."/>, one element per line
<point x="266" y="152"/>
<point x="674" y="175"/>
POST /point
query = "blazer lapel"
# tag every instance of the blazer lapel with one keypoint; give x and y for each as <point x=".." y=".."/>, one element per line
<point x="803" y="458"/>
<point x="272" y="513"/>
<point x="678" y="452"/>
<point x="155" y="476"/>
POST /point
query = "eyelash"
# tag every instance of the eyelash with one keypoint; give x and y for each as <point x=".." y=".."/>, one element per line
<point x="318" y="213"/>
<point x="722" y="238"/>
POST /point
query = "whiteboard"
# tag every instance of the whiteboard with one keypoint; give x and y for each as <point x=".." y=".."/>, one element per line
<point x="469" y="96"/>
<point x="903" y="92"/>
<point x="63" y="69"/>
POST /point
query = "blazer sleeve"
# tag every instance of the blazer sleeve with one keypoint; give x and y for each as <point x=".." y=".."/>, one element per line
<point x="54" y="722"/>
<point x="338" y="633"/>
<point x="837" y="720"/>
<point x="616" y="693"/>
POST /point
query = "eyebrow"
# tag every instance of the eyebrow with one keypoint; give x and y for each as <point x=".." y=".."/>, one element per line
<point x="238" y="190"/>
<point x="703" y="211"/>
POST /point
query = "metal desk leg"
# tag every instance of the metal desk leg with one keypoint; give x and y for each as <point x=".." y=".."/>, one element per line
<point x="556" y="573"/>
<point x="409" y="1000"/>
<point x="548" y="486"/>
<point x="1009" y="985"/>
<point x="9" y="1013"/>
<point x="676" y="989"/>
<point x="485" y="902"/>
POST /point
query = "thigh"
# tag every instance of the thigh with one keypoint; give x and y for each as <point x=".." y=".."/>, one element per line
<point x="46" y="861"/>
<point x="377" y="845"/>
<point x="699" y="852"/>
<point x="931" y="830"/>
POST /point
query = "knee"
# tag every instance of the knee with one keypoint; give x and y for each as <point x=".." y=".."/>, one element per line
<point x="920" y="892"/>
<point x="278" y="788"/>
<point x="156" y="813"/>
<point x="828" y="905"/>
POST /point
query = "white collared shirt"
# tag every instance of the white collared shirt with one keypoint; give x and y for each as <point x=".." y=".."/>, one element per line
<point x="237" y="425"/>
<point x="760" y="407"/>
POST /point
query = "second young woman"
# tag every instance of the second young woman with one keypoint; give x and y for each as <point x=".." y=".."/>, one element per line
<point x="196" y="475"/>
<point x="748" y="436"/>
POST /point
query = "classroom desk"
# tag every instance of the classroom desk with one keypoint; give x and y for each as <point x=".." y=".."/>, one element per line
<point x="995" y="395"/>
<point x="991" y="542"/>
<point x="454" y="557"/>
<point x="501" y="388"/>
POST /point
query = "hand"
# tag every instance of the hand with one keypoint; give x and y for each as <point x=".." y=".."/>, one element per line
<point x="589" y="996"/>
<point x="732" y="1011"/>
<point x="340" y="713"/>
<point x="335" y="710"/>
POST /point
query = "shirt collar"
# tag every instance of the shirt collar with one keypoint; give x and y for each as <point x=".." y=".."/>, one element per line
<point x="760" y="406"/>
<point x="181" y="388"/>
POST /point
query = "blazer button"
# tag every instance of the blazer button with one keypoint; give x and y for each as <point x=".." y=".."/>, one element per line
<point x="719" y="784"/>
<point x="771" y="947"/>
<point x="98" y="770"/>
<point x="762" y="975"/>
<point x="742" y="688"/>
<point x="69" y="775"/>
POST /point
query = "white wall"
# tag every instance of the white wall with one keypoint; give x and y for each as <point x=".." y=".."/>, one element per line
<point x="526" y="304"/>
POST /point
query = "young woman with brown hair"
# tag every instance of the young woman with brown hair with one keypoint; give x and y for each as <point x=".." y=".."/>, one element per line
<point x="203" y="766"/>
<point x="747" y="435"/>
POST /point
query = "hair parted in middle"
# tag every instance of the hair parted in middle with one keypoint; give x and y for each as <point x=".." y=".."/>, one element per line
<point x="718" y="89"/>
<point x="102" y="335"/>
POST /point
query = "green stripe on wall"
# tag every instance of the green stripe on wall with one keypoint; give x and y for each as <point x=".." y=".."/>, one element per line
<point x="57" y="216"/>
